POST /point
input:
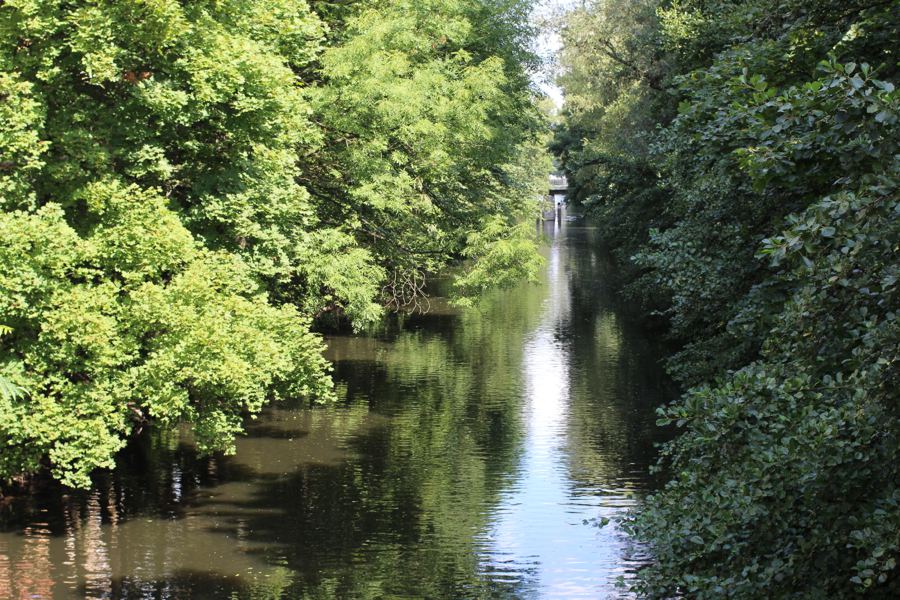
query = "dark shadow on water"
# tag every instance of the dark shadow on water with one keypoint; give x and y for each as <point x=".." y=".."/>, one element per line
<point x="200" y="585"/>
<point x="140" y="487"/>
<point x="184" y="585"/>
<point x="262" y="430"/>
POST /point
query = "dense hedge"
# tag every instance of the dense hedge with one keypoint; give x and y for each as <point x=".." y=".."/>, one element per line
<point x="742" y="159"/>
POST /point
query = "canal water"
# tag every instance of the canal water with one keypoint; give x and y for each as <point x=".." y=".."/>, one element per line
<point x="470" y="456"/>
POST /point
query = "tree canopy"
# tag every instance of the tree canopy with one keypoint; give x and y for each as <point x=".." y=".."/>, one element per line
<point x="186" y="186"/>
<point x="742" y="159"/>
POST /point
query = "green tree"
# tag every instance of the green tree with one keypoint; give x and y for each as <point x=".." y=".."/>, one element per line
<point x="430" y="132"/>
<point x="166" y="240"/>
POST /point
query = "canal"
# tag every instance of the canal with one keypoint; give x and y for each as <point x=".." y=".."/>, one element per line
<point x="467" y="457"/>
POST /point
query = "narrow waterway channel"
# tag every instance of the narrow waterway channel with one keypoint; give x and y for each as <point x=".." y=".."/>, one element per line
<point x="463" y="460"/>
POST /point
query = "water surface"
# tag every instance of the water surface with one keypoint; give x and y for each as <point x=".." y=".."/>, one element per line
<point x="465" y="455"/>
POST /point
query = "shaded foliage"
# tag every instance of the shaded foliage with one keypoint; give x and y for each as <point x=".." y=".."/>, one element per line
<point x="758" y="218"/>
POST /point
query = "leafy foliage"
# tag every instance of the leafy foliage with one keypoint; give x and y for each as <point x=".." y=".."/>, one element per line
<point x="186" y="186"/>
<point x="768" y="242"/>
<point x="430" y="134"/>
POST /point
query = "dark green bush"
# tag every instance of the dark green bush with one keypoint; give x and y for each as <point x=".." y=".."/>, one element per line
<point x="770" y="247"/>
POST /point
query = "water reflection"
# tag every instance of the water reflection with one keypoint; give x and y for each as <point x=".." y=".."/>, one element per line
<point x="588" y="406"/>
<point x="462" y="461"/>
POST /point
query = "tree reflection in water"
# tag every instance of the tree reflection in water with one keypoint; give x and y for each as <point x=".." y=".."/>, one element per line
<point x="465" y="454"/>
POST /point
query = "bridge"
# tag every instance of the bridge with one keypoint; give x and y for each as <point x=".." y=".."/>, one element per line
<point x="555" y="199"/>
<point x="558" y="184"/>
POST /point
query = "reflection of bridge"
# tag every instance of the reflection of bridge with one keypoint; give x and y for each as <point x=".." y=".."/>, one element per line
<point x="558" y="184"/>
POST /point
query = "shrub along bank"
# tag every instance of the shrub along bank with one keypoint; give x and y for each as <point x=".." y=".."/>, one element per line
<point x="742" y="160"/>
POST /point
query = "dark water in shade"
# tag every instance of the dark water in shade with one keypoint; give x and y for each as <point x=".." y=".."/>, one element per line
<point x="464" y="457"/>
